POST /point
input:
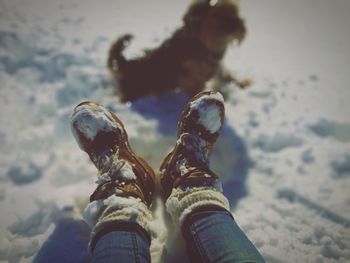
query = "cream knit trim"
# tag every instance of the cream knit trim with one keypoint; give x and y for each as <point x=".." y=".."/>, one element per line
<point x="182" y="202"/>
<point x="116" y="208"/>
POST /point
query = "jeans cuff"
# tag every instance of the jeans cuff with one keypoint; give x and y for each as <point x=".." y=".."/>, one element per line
<point x="108" y="227"/>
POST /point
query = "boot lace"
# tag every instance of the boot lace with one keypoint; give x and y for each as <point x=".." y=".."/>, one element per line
<point x="193" y="154"/>
<point x="110" y="166"/>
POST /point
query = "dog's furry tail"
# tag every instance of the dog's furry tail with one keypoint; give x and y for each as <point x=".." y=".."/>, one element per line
<point x="116" y="60"/>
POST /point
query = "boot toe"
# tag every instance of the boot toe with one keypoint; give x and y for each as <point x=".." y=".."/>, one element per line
<point x="203" y="116"/>
<point x="89" y="119"/>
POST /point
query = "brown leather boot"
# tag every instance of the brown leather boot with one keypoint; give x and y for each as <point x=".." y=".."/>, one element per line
<point x="101" y="134"/>
<point x="187" y="165"/>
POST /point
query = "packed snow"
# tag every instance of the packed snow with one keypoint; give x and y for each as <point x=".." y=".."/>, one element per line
<point x="283" y="153"/>
<point x="91" y="120"/>
<point x="209" y="113"/>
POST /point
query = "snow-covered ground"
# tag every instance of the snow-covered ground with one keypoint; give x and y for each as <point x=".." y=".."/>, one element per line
<point x="284" y="154"/>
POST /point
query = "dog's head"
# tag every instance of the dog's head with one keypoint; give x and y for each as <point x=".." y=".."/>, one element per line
<point x="216" y="23"/>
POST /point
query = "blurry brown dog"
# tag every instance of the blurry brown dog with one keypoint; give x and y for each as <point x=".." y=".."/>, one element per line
<point x="188" y="59"/>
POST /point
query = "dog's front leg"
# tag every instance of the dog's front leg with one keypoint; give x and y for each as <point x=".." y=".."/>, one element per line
<point x="223" y="78"/>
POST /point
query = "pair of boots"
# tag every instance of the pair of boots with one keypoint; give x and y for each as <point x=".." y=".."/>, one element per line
<point x="126" y="183"/>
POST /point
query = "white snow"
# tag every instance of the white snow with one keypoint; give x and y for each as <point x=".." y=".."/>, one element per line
<point x="92" y="211"/>
<point x="341" y="166"/>
<point x="289" y="130"/>
<point x="122" y="202"/>
<point x="277" y="142"/>
<point x="103" y="178"/>
<point x="209" y="113"/>
<point x="119" y="170"/>
<point x="326" y="128"/>
<point x="91" y="120"/>
<point x="127" y="173"/>
<point x="209" y="117"/>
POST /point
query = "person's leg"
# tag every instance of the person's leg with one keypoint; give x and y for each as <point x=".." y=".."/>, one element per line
<point x="127" y="245"/>
<point x="118" y="212"/>
<point x="121" y="231"/>
<point x="193" y="192"/>
<point x="208" y="227"/>
<point x="212" y="235"/>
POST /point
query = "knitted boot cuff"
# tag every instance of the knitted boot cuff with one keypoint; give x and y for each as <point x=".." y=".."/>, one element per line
<point x="115" y="208"/>
<point x="182" y="202"/>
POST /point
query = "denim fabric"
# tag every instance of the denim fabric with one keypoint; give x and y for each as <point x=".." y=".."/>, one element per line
<point x="211" y="236"/>
<point x="121" y="246"/>
<point x="214" y="236"/>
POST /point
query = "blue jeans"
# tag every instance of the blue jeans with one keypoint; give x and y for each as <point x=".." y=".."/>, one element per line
<point x="211" y="236"/>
